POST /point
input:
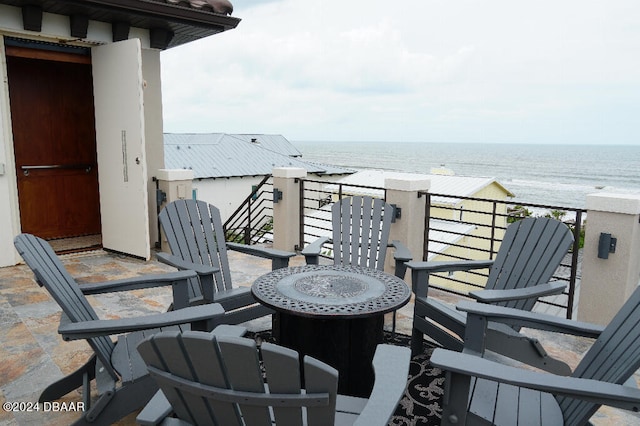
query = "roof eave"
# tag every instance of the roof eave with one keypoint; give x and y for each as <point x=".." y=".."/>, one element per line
<point x="171" y="12"/>
<point x="172" y="24"/>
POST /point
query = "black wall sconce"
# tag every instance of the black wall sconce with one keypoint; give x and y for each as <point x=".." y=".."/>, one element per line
<point x="161" y="197"/>
<point x="277" y="195"/>
<point x="396" y="213"/>
<point x="606" y="245"/>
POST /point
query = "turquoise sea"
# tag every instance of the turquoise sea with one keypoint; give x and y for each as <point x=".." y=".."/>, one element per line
<point x="554" y="175"/>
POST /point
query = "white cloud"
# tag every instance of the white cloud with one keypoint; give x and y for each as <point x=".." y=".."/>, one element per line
<point x="413" y="70"/>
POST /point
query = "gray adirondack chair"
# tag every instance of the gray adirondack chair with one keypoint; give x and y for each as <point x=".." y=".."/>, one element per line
<point x="480" y="391"/>
<point x="529" y="255"/>
<point x="218" y="380"/>
<point x="196" y="239"/>
<point x="122" y="380"/>
<point x="360" y="228"/>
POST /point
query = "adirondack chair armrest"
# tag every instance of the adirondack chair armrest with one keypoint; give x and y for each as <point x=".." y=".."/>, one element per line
<point x="420" y="272"/>
<point x="615" y="395"/>
<point x="402" y="252"/>
<point x="449" y="266"/>
<point x="279" y="258"/>
<point x="137" y="283"/>
<point x="540" y="290"/>
<point x="229" y="330"/>
<point x="311" y="252"/>
<point x="391" y="369"/>
<point x="402" y="255"/>
<point x="96" y="328"/>
<point x="529" y="319"/>
<point x="180" y="263"/>
<point x="157" y="409"/>
<point x="265" y="252"/>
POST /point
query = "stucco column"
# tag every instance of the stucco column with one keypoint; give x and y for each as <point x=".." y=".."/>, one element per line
<point x="176" y="185"/>
<point x="286" y="210"/>
<point x="607" y="283"/>
<point x="409" y="227"/>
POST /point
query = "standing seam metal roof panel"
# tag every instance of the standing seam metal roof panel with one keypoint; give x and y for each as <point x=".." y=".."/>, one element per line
<point x="215" y="155"/>
<point x="275" y="143"/>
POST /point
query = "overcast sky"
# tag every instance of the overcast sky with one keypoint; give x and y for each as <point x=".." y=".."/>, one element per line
<point x="506" y="71"/>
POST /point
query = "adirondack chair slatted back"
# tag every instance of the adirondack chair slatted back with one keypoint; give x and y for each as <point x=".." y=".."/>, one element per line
<point x="614" y="357"/>
<point x="51" y="274"/>
<point x="361" y="231"/>
<point x="529" y="254"/>
<point x="194" y="232"/>
<point x="218" y="380"/>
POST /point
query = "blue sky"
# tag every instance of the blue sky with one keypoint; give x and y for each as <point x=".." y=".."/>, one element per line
<point x="483" y="71"/>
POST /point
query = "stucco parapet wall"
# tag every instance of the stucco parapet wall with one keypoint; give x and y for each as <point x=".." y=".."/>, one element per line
<point x="407" y="184"/>
<point x="175" y="174"/>
<point x="289" y="172"/>
<point x="614" y="203"/>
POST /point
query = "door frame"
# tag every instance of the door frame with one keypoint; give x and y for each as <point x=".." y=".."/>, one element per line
<point x="9" y="212"/>
<point x="47" y="55"/>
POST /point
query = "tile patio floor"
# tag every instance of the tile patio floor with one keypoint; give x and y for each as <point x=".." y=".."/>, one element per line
<point x="32" y="354"/>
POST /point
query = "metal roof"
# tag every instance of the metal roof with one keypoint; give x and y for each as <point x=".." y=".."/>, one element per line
<point x="216" y="155"/>
<point x="276" y="143"/>
<point x="452" y="185"/>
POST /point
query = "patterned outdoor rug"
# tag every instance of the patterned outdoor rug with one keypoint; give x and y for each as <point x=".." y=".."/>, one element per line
<point x="422" y="400"/>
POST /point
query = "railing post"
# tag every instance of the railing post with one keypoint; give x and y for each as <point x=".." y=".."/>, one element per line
<point x="286" y="211"/>
<point x="427" y="225"/>
<point x="577" y="229"/>
<point x="409" y="228"/>
<point x="608" y="277"/>
<point x="247" y="229"/>
<point x="172" y="185"/>
<point x="492" y="251"/>
<point x="301" y="215"/>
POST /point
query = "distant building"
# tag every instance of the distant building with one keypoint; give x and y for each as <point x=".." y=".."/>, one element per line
<point x="227" y="166"/>
<point x="450" y="192"/>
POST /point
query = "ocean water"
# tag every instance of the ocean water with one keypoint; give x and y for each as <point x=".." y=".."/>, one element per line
<point x="552" y="175"/>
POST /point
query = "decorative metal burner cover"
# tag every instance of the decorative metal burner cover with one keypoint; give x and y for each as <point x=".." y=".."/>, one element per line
<point x="326" y="286"/>
<point x="330" y="291"/>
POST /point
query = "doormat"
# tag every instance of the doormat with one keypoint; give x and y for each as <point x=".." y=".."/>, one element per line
<point x="76" y="244"/>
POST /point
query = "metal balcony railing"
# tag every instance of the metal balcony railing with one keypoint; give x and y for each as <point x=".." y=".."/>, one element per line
<point x="456" y="228"/>
<point x="316" y="198"/>
<point x="465" y="228"/>
<point x="252" y="222"/>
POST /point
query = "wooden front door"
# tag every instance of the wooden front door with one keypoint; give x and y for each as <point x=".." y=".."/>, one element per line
<point x="52" y="116"/>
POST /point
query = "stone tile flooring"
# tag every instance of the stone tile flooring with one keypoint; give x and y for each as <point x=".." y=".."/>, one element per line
<point x="33" y="355"/>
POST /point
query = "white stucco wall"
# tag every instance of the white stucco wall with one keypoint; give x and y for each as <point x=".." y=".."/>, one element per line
<point x="225" y="194"/>
<point x="228" y="193"/>
<point x="9" y="223"/>
<point x="153" y="130"/>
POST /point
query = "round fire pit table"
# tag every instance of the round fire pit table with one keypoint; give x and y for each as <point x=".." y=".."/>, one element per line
<point x="333" y="313"/>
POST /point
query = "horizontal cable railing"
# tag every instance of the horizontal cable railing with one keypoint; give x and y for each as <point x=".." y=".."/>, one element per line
<point x="456" y="228"/>
<point x="467" y="228"/>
